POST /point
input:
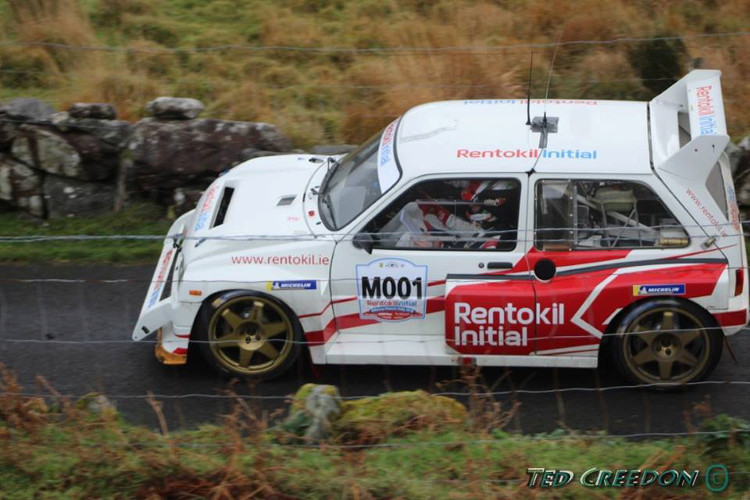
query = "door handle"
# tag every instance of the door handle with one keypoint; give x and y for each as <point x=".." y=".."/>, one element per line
<point x="499" y="265"/>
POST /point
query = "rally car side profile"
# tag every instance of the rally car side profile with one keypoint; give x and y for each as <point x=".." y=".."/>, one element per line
<point x="460" y="235"/>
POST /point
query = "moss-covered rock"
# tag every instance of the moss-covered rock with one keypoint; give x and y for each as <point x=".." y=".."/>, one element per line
<point x="374" y="419"/>
<point x="317" y="414"/>
<point x="311" y="416"/>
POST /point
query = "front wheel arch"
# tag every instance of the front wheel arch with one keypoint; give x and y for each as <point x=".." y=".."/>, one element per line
<point x="215" y="302"/>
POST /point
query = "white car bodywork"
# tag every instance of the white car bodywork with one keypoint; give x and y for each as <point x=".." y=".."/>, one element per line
<point x="272" y="238"/>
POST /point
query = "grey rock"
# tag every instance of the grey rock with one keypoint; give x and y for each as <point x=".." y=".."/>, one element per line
<point x="174" y="108"/>
<point x="332" y="149"/>
<point x="24" y="109"/>
<point x="42" y="149"/>
<point x="7" y="134"/>
<point x="734" y="153"/>
<point x="324" y="408"/>
<point x="69" y="197"/>
<point x="185" y="199"/>
<point x="73" y="153"/>
<point x="21" y="186"/>
<point x="112" y="132"/>
<point x="171" y="154"/>
<point x="95" y="403"/>
<point x="95" y="110"/>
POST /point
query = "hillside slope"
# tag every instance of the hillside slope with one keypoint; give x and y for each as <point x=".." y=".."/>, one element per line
<point x="336" y="70"/>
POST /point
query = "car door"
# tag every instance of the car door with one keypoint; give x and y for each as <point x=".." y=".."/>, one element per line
<point x="440" y="263"/>
<point x="601" y="243"/>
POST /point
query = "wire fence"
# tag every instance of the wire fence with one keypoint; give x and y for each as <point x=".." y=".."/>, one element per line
<point x="373" y="50"/>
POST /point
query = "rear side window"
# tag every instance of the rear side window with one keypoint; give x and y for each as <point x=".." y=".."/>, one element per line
<point x="591" y="214"/>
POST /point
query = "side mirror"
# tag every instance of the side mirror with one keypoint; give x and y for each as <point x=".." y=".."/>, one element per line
<point x="363" y="241"/>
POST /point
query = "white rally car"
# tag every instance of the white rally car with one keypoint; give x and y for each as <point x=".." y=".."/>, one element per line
<point x="461" y="235"/>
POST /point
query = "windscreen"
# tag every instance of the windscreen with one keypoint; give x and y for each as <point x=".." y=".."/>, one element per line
<point x="359" y="179"/>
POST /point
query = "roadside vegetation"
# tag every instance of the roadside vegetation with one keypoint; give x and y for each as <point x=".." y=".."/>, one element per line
<point x="138" y="219"/>
<point x="342" y="96"/>
<point x="410" y="446"/>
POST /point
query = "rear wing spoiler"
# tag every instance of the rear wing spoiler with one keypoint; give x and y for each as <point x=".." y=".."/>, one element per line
<point x="689" y="113"/>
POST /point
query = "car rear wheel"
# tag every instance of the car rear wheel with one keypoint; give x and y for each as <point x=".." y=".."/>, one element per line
<point x="667" y="342"/>
<point x="249" y="335"/>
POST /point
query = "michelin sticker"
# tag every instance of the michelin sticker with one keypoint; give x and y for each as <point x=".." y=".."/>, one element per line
<point x="639" y="290"/>
<point x="391" y="290"/>
<point x="292" y="285"/>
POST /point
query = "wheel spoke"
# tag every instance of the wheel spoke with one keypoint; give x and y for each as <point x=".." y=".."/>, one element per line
<point x="256" y="313"/>
<point x="644" y="333"/>
<point x="688" y="336"/>
<point x="245" y="356"/>
<point x="668" y="322"/>
<point x="268" y="350"/>
<point x="665" y="369"/>
<point x="274" y="329"/>
<point x="644" y="356"/>
<point x="686" y="358"/>
<point x="232" y="318"/>
<point x="229" y="340"/>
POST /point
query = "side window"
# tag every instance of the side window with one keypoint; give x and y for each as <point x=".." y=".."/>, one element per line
<point x="455" y="214"/>
<point x="585" y="214"/>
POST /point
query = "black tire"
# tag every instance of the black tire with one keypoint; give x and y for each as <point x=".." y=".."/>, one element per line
<point x="666" y="341"/>
<point x="248" y="334"/>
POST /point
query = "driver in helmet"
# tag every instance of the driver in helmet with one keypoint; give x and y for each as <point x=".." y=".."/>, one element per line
<point x="432" y="225"/>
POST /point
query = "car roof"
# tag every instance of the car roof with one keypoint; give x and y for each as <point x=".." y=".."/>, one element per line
<point x="491" y="136"/>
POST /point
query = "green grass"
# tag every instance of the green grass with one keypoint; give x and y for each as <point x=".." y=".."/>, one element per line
<point x="86" y="456"/>
<point x="139" y="219"/>
<point x="67" y="449"/>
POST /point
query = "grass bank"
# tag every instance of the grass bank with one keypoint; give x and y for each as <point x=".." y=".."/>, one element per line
<point x="139" y="219"/>
<point x="57" y="448"/>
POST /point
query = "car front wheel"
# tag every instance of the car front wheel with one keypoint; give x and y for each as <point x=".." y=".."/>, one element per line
<point x="667" y="342"/>
<point x="249" y="335"/>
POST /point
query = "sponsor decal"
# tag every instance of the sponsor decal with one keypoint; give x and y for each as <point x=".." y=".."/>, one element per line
<point x="501" y="325"/>
<point x="292" y="285"/>
<point x="706" y="107"/>
<point x="567" y="154"/>
<point x="160" y="277"/>
<point x="391" y="290"/>
<point x="309" y="259"/>
<point x="388" y="173"/>
<point x="640" y="290"/>
<point x="706" y="110"/>
<point x="715" y="222"/>
<point x="205" y="212"/>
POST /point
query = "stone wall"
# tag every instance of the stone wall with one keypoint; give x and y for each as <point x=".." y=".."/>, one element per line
<point x="84" y="160"/>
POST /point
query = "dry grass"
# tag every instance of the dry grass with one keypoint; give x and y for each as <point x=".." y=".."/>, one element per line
<point x="340" y="96"/>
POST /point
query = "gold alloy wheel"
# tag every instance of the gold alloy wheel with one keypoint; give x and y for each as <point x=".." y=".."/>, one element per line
<point x="250" y="335"/>
<point x="666" y="345"/>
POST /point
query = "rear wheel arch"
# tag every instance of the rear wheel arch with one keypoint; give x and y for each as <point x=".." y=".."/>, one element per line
<point x="620" y="351"/>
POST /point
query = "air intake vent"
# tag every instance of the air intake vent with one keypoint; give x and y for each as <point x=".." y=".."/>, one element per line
<point x="286" y="200"/>
<point x="223" y="206"/>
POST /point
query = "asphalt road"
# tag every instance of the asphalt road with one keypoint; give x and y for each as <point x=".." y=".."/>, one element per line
<point x="48" y="313"/>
